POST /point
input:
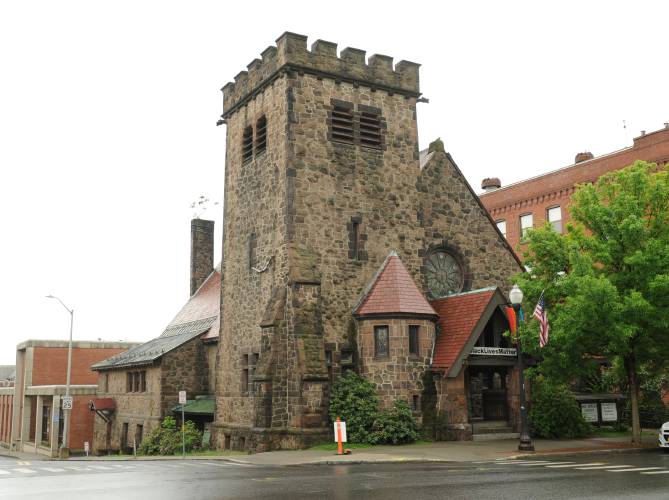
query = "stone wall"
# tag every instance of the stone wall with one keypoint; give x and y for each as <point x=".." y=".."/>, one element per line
<point x="400" y="375"/>
<point x="183" y="369"/>
<point x="133" y="408"/>
<point x="452" y="407"/>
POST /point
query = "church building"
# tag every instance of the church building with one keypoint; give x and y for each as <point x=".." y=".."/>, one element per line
<point x="347" y="248"/>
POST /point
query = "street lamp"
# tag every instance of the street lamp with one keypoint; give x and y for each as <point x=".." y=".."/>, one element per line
<point x="525" y="444"/>
<point x="66" y="423"/>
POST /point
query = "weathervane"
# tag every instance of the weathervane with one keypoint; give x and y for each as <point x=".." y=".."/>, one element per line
<point x="200" y="206"/>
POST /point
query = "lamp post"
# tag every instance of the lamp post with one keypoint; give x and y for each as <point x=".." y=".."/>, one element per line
<point x="525" y="444"/>
<point x="66" y="423"/>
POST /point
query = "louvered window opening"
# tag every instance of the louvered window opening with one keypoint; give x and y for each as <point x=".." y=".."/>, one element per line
<point x="370" y="129"/>
<point x="247" y="145"/>
<point x="261" y="135"/>
<point x="342" y="124"/>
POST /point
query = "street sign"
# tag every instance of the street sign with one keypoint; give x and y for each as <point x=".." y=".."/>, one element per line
<point x="182" y="397"/>
<point x="609" y="412"/>
<point x="87" y="447"/>
<point x="342" y="428"/>
<point x="589" y="412"/>
<point x="67" y="402"/>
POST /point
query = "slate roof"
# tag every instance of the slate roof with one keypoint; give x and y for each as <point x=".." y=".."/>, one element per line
<point x="393" y="291"/>
<point x="458" y="314"/>
<point x="199" y="316"/>
<point x="199" y="406"/>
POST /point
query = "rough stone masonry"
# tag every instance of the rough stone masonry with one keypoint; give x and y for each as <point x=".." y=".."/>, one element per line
<point x="323" y="179"/>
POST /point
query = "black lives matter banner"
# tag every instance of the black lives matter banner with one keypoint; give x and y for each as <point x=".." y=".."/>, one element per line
<point x="493" y="351"/>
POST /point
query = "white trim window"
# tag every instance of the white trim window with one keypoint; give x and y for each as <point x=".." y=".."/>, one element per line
<point x="554" y="217"/>
<point x="501" y="225"/>
<point x="526" y="223"/>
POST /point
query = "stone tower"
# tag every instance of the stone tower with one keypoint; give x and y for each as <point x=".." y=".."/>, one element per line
<point x="323" y="179"/>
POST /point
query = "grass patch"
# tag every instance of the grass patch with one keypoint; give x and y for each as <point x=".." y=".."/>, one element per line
<point x="611" y="433"/>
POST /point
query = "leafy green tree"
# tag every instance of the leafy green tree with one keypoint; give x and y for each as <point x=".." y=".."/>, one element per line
<point x="354" y="400"/>
<point x="606" y="280"/>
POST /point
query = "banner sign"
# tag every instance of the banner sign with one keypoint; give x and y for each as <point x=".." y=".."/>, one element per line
<point x="493" y="351"/>
<point x="589" y="412"/>
<point x="609" y="412"/>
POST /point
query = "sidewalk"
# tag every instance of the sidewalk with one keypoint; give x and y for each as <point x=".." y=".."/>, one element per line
<point x="446" y="451"/>
<point x="443" y="451"/>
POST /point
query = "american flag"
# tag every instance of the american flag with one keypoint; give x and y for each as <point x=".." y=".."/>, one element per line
<point x="542" y="316"/>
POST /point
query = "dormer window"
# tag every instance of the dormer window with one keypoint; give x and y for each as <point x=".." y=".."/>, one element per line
<point x="247" y="145"/>
<point x="261" y="135"/>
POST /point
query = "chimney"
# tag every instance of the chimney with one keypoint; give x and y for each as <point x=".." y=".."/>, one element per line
<point x="490" y="184"/>
<point x="584" y="156"/>
<point x="201" y="252"/>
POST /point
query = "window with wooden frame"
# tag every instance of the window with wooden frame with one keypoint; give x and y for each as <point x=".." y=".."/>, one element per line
<point x="526" y="223"/>
<point x="381" y="341"/>
<point x="342" y="122"/>
<point x="261" y="135"/>
<point x="370" y="127"/>
<point x="414" y="332"/>
<point x="554" y="217"/>
<point x="247" y="144"/>
<point x="142" y="381"/>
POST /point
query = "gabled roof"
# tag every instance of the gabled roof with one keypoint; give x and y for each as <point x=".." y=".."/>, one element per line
<point x="462" y="318"/>
<point x="199" y="316"/>
<point x="174" y="336"/>
<point x="393" y="291"/>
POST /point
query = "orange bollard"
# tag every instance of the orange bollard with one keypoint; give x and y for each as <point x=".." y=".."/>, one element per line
<point x="340" y="450"/>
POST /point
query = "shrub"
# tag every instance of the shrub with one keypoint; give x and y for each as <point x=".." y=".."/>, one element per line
<point x="555" y="413"/>
<point x="394" y="426"/>
<point x="166" y="439"/>
<point x="354" y="400"/>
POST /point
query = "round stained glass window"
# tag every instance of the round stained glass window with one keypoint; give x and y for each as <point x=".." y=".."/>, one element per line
<point x="444" y="274"/>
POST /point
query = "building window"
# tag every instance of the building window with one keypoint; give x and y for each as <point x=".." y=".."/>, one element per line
<point x="370" y="127"/>
<point x="526" y="223"/>
<point x="124" y="436"/>
<point x="554" y="216"/>
<point x="139" y="434"/>
<point x="356" y="239"/>
<point x="253" y="244"/>
<point x="142" y="381"/>
<point x="414" y="331"/>
<point x="261" y="135"/>
<point x="415" y="402"/>
<point x="105" y="382"/>
<point x="135" y="381"/>
<point x="381" y="341"/>
<point x="341" y="122"/>
<point x="247" y="145"/>
<point x="46" y="423"/>
<point x="128" y="382"/>
<point x="245" y="373"/>
<point x="501" y="225"/>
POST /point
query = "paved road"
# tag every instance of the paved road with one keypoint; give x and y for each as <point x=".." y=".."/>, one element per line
<point x="642" y="475"/>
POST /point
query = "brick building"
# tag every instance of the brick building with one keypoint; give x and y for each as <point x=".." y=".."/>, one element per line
<point x="533" y="202"/>
<point x="139" y="387"/>
<point x="41" y="371"/>
<point x="343" y="245"/>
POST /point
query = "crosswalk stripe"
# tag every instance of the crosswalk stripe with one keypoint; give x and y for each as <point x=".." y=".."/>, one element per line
<point x="177" y="466"/>
<point x="25" y="471"/>
<point x="560" y="464"/>
<point x="575" y="465"/>
<point x="519" y="462"/>
<point x="657" y="472"/>
<point x="53" y="469"/>
<point x="637" y="469"/>
<point x="99" y="467"/>
<point x="603" y="467"/>
<point x="545" y="463"/>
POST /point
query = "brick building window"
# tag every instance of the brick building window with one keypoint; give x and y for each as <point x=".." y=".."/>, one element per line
<point x="381" y="341"/>
<point x="501" y="225"/>
<point x="247" y="145"/>
<point x="341" y="122"/>
<point x="554" y="217"/>
<point x="261" y="135"/>
<point x="526" y="223"/>
<point x="414" y="331"/>
<point x="370" y="127"/>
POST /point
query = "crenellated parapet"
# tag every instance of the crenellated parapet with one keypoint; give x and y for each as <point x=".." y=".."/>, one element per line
<point x="291" y="54"/>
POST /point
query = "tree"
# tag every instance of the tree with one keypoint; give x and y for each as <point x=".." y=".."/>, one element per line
<point x="606" y="280"/>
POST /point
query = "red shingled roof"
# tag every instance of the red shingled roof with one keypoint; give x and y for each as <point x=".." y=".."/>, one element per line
<point x="205" y="303"/>
<point x="458" y="315"/>
<point x="393" y="291"/>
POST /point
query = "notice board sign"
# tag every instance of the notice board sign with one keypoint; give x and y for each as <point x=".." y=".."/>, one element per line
<point x="342" y="429"/>
<point x="609" y="412"/>
<point x="589" y="412"/>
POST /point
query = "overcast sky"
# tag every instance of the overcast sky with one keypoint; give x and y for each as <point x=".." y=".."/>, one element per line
<point x="108" y="112"/>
